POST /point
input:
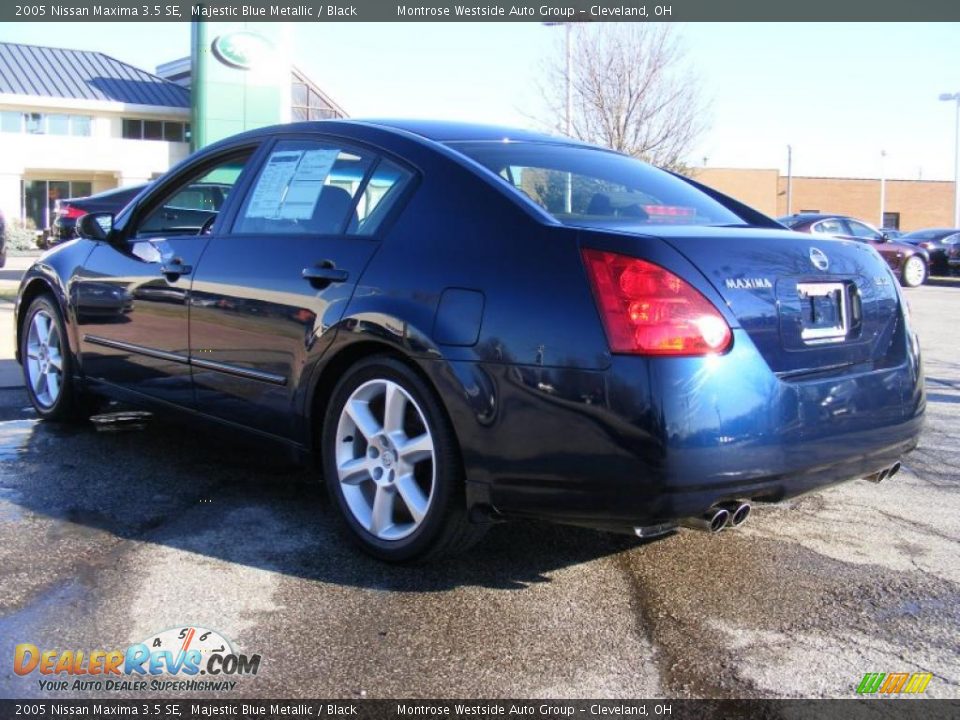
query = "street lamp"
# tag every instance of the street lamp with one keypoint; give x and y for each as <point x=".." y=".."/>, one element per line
<point x="955" y="97"/>
<point x="883" y="188"/>
<point x="568" y="112"/>
<point x="789" y="179"/>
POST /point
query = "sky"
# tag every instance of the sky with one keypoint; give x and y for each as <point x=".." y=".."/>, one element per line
<point x="839" y="94"/>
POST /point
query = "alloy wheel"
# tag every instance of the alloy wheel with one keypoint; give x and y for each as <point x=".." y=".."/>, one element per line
<point x="914" y="271"/>
<point x="385" y="459"/>
<point x="44" y="361"/>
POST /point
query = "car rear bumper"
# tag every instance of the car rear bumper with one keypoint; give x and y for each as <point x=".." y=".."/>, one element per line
<point x="650" y="441"/>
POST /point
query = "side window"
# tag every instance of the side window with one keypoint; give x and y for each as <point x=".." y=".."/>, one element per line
<point x="380" y="195"/>
<point x="861" y="231"/>
<point x="829" y="227"/>
<point x="305" y="187"/>
<point x="194" y="203"/>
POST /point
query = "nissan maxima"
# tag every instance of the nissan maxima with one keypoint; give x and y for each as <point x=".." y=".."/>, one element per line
<point x="460" y="324"/>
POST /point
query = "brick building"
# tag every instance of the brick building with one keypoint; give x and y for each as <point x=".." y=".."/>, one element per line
<point x="910" y="204"/>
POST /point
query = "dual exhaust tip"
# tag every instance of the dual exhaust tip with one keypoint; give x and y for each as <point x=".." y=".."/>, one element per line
<point x="734" y="514"/>
<point x="725" y="515"/>
<point x="884" y="474"/>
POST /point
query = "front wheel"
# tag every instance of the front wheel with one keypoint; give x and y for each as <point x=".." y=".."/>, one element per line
<point x="47" y="370"/>
<point x="392" y="465"/>
<point x="914" y="271"/>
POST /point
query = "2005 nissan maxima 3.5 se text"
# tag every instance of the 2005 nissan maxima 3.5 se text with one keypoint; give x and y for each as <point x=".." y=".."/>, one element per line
<point x="461" y="324"/>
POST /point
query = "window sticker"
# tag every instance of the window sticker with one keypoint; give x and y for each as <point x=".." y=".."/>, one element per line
<point x="290" y="184"/>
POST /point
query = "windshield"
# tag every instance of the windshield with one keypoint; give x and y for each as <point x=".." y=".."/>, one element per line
<point x="579" y="185"/>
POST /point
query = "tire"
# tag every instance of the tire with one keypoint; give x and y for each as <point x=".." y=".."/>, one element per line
<point x="914" y="271"/>
<point x="52" y="390"/>
<point x="401" y="501"/>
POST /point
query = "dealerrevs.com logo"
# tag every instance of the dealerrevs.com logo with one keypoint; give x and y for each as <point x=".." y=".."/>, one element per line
<point x="894" y="683"/>
<point x="186" y="658"/>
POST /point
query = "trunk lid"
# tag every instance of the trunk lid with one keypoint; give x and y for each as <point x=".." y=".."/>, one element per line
<point x="809" y="304"/>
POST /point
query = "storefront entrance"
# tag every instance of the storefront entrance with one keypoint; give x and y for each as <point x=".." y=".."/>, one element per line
<point x="40" y="198"/>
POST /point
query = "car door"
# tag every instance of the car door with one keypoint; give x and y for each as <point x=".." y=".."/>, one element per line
<point x="864" y="233"/>
<point x="132" y="295"/>
<point x="267" y="293"/>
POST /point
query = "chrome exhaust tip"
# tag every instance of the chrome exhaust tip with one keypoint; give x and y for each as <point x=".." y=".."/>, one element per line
<point x="884" y="474"/>
<point x="712" y="521"/>
<point x="646" y="532"/>
<point x="739" y="511"/>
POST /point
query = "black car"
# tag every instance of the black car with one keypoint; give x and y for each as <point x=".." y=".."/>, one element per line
<point x="936" y="241"/>
<point x="197" y="199"/>
<point x="69" y="210"/>
<point x="463" y="324"/>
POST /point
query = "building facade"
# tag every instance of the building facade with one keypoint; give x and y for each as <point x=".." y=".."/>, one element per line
<point x="76" y="122"/>
<point x="908" y="204"/>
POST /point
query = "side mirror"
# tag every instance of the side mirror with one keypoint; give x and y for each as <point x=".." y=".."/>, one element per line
<point x="884" y="237"/>
<point x="95" y="226"/>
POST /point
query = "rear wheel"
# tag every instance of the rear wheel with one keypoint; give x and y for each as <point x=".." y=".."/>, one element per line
<point x="47" y="367"/>
<point x="392" y="465"/>
<point x="914" y="271"/>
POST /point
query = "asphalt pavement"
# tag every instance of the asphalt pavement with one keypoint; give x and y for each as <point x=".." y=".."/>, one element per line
<point x="107" y="538"/>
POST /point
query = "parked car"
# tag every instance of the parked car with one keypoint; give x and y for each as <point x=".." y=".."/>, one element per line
<point x="3" y="240"/>
<point x="909" y="262"/>
<point x="953" y="259"/>
<point x="199" y="199"/>
<point x="68" y="211"/>
<point x="936" y="241"/>
<point x="420" y="308"/>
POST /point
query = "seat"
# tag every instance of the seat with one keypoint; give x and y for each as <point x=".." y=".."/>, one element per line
<point x="600" y="204"/>
<point x="332" y="207"/>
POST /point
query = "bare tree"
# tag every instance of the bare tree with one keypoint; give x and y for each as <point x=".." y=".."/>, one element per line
<point x="631" y="90"/>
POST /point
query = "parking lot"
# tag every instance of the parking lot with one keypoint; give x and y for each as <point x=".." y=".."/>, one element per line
<point x="107" y="538"/>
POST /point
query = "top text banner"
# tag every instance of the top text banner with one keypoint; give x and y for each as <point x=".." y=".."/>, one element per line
<point x="446" y="11"/>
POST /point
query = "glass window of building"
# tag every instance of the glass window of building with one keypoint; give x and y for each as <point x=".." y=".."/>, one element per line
<point x="132" y="129"/>
<point x="80" y="125"/>
<point x="34" y="123"/>
<point x="173" y="132"/>
<point x="11" y="122"/>
<point x="152" y="130"/>
<point x="299" y="95"/>
<point x="58" y="124"/>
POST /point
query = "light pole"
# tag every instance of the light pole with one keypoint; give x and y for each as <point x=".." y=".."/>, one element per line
<point x="789" y="179"/>
<point x="955" y="97"/>
<point x="883" y="187"/>
<point x="568" y="111"/>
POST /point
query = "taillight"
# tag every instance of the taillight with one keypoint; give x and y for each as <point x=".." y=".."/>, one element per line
<point x="648" y="310"/>
<point x="71" y="212"/>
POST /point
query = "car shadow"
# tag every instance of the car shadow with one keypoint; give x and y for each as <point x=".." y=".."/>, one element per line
<point x="237" y="501"/>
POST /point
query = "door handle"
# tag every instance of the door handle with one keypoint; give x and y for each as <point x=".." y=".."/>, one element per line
<point x="175" y="269"/>
<point x="323" y="274"/>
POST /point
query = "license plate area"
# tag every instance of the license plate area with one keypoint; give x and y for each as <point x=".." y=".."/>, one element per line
<point x="824" y="312"/>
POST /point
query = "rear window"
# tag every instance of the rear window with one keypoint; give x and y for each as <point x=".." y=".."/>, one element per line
<point x="579" y="185"/>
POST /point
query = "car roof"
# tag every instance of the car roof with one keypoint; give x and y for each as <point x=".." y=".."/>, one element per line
<point x="811" y="216"/>
<point x="451" y="131"/>
<point x="441" y="131"/>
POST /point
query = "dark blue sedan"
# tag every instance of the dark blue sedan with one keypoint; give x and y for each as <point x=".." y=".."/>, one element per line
<point x="463" y="324"/>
